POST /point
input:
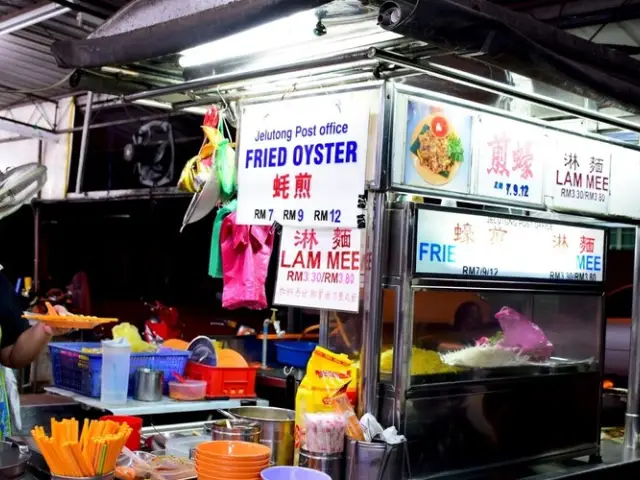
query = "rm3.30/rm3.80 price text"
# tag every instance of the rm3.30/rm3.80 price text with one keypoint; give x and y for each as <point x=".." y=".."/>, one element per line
<point x="321" y="277"/>
<point x="298" y="215"/>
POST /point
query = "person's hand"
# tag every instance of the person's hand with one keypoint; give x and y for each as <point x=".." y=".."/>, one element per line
<point x="50" y="331"/>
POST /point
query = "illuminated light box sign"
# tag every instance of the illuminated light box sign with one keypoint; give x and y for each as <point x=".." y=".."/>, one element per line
<point x="481" y="246"/>
<point x="580" y="175"/>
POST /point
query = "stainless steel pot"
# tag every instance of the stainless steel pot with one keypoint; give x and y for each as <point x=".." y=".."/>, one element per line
<point x="241" y="430"/>
<point x="13" y="459"/>
<point x="329" y="463"/>
<point x="278" y="427"/>
<point x="148" y="385"/>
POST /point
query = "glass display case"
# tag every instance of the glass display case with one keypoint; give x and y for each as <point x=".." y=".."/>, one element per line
<point x="465" y="334"/>
<point x="497" y="348"/>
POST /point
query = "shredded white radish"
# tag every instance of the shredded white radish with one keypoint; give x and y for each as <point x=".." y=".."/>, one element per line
<point x="484" y="356"/>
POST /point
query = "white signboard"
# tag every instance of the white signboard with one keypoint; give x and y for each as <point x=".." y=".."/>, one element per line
<point x="509" y="159"/>
<point x="302" y="161"/>
<point x="579" y="175"/>
<point x="481" y="246"/>
<point x="319" y="268"/>
<point x="625" y="172"/>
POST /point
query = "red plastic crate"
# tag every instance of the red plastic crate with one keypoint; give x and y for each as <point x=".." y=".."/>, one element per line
<point x="224" y="382"/>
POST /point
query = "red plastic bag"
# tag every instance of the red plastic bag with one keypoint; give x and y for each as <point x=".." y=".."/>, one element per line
<point x="246" y="251"/>
<point x="522" y="334"/>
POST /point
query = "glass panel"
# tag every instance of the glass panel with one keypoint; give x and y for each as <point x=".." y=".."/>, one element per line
<point x="345" y="333"/>
<point x="619" y="304"/>
<point x="457" y="334"/>
<point x="388" y="329"/>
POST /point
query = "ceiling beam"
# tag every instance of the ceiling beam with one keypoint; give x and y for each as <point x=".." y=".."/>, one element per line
<point x="598" y="17"/>
<point x="23" y="129"/>
<point x="25" y="17"/>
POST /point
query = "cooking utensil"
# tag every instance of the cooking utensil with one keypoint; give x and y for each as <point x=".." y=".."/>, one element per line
<point x="277" y="430"/>
<point x="179" y="378"/>
<point x="148" y="385"/>
<point x="227" y="414"/>
<point x="240" y="430"/>
<point x="13" y="459"/>
<point x="202" y="351"/>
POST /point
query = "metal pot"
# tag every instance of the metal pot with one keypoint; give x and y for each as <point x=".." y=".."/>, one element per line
<point x="148" y="385"/>
<point x="13" y="459"/>
<point x="278" y="427"/>
<point x="241" y="430"/>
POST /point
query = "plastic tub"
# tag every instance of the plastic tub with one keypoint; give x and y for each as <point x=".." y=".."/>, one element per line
<point x="225" y="382"/>
<point x="294" y="354"/>
<point x="135" y="423"/>
<point x="188" y="390"/>
<point x="292" y="473"/>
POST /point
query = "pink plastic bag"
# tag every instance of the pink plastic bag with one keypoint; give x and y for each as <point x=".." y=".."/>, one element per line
<point x="522" y="334"/>
<point x="246" y="250"/>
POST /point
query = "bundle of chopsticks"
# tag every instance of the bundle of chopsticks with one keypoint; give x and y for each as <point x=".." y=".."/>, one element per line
<point x="93" y="452"/>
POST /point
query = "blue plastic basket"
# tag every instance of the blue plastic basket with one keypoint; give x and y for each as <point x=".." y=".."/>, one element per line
<point x="294" y="353"/>
<point x="80" y="372"/>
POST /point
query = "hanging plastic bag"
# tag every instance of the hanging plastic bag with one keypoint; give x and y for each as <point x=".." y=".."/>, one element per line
<point x="225" y="159"/>
<point x="522" y="334"/>
<point x="246" y="251"/>
<point x="198" y="169"/>
<point x="226" y="169"/>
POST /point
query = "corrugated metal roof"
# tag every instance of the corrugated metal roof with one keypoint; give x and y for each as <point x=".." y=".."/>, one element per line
<point x="27" y="62"/>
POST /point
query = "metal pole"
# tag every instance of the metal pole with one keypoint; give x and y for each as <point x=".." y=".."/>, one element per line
<point x="372" y="311"/>
<point x="631" y="424"/>
<point x="324" y="329"/>
<point x="84" y="141"/>
<point x="125" y="121"/>
<point x="36" y="230"/>
<point x="492" y="86"/>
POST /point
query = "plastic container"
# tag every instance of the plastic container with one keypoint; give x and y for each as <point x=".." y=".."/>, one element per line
<point x="81" y="372"/>
<point x="294" y="353"/>
<point x="225" y="382"/>
<point x="182" y="446"/>
<point x="188" y="390"/>
<point x="292" y="473"/>
<point x="116" y="359"/>
<point x="135" y="423"/>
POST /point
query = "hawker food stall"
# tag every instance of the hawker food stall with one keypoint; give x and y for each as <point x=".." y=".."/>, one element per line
<point x="453" y="245"/>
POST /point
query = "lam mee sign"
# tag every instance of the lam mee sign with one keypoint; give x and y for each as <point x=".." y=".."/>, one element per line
<point x="319" y="268"/>
<point x="492" y="247"/>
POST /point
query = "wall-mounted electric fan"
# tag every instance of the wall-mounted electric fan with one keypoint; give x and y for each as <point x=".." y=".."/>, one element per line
<point x="19" y="185"/>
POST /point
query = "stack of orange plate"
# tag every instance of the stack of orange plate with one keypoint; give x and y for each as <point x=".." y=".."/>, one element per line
<point x="224" y="460"/>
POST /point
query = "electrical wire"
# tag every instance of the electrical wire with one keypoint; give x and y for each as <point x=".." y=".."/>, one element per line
<point x="57" y="84"/>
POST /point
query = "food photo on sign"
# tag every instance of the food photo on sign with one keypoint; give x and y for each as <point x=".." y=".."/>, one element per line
<point x="437" y="146"/>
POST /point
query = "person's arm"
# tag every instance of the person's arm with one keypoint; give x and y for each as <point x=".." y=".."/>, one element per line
<point x="20" y="344"/>
<point x="27" y="347"/>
